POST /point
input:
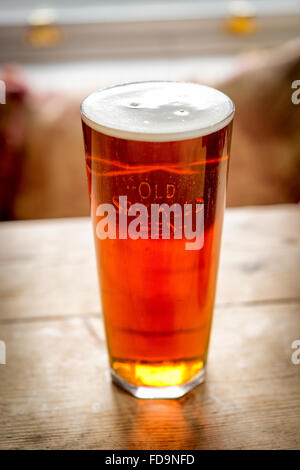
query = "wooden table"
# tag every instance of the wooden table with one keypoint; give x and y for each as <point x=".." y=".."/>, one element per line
<point x="55" y="390"/>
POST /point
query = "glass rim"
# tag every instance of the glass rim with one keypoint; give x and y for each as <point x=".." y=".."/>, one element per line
<point x="121" y="133"/>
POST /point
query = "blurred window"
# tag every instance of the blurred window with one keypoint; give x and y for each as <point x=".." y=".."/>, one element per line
<point x="33" y="30"/>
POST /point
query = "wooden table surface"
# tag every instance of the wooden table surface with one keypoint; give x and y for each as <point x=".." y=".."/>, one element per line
<point x="55" y="389"/>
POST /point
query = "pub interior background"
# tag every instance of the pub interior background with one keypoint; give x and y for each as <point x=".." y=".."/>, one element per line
<point x="54" y="52"/>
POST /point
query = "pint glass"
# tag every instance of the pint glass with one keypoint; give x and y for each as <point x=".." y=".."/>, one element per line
<point x="157" y="160"/>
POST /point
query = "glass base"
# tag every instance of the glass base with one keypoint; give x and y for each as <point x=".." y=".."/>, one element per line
<point x="170" y="392"/>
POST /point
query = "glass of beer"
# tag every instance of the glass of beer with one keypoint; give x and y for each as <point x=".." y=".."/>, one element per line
<point x="157" y="158"/>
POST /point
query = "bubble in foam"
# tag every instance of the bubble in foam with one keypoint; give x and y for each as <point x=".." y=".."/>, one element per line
<point x="157" y="111"/>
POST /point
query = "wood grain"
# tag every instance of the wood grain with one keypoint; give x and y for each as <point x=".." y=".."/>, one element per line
<point x="55" y="390"/>
<point x="48" y="267"/>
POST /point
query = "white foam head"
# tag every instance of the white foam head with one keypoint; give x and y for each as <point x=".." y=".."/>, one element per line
<point x="157" y="111"/>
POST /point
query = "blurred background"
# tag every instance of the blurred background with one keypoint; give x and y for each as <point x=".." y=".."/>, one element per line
<point x="55" y="52"/>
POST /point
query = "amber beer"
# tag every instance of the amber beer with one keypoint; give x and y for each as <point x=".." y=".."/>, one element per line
<point x="157" y="143"/>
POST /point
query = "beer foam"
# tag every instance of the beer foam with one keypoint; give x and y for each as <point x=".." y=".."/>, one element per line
<point x="157" y="111"/>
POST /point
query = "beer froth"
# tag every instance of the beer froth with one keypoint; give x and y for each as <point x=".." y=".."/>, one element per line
<point x="157" y="111"/>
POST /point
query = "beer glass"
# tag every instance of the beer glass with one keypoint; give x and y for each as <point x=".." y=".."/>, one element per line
<point x="157" y="160"/>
